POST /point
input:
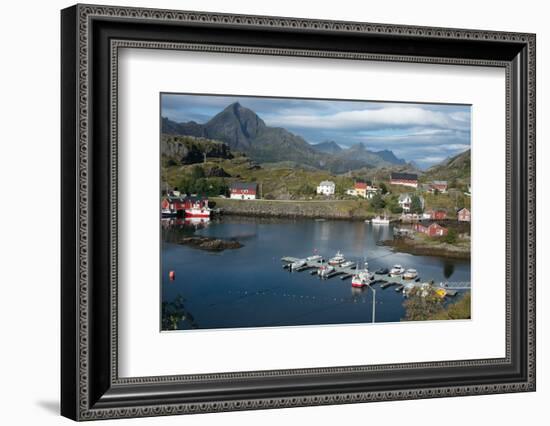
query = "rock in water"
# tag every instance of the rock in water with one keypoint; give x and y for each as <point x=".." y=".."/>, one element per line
<point x="210" y="244"/>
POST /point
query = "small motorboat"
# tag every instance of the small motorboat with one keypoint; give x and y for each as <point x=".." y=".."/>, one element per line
<point x="382" y="271"/>
<point x="410" y="274"/>
<point x="314" y="258"/>
<point x="337" y="260"/>
<point x="298" y="264"/>
<point x="380" y="220"/>
<point x="348" y="264"/>
<point x="325" y="270"/>
<point x="396" y="270"/>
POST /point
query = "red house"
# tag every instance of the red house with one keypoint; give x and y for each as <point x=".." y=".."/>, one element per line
<point x="438" y="214"/>
<point x="405" y="179"/>
<point x="464" y="215"/>
<point x="433" y="230"/>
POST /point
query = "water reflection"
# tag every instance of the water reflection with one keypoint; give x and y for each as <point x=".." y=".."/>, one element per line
<point x="448" y="269"/>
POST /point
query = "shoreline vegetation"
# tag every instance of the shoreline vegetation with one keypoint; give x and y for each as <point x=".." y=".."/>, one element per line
<point x="429" y="247"/>
<point x="431" y="307"/>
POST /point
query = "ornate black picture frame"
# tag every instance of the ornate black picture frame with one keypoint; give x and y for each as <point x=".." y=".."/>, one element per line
<point x="91" y="36"/>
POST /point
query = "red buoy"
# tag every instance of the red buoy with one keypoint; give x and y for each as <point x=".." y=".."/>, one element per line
<point x="172" y="275"/>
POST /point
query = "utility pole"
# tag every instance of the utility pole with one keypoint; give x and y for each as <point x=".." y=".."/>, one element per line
<point x="373" y="304"/>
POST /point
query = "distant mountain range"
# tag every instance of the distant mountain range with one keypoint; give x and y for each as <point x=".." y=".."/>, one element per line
<point x="328" y="147"/>
<point x="243" y="130"/>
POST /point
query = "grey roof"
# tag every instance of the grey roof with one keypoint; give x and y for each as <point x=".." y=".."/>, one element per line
<point x="327" y="183"/>
<point x="439" y="182"/>
<point x="405" y="176"/>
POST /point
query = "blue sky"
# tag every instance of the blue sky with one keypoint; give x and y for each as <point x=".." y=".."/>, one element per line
<point x="424" y="133"/>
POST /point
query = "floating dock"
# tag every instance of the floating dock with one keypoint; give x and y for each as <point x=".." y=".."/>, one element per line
<point x="384" y="280"/>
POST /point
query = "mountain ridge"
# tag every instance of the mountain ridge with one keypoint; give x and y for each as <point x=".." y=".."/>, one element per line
<point x="243" y="130"/>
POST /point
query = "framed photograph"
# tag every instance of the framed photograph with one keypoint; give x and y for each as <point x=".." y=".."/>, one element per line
<point x="263" y="212"/>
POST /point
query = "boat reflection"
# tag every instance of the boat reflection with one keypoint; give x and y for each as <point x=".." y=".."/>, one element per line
<point x="192" y="222"/>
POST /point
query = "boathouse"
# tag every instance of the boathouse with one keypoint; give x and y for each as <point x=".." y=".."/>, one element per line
<point x="432" y="230"/>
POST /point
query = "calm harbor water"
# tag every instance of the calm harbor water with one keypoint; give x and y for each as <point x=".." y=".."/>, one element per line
<point x="248" y="287"/>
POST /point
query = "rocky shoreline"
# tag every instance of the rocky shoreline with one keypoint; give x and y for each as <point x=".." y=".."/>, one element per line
<point x="344" y="210"/>
<point x="210" y="244"/>
<point x="441" y="249"/>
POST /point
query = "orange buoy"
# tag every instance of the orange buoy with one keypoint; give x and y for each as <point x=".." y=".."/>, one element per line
<point x="172" y="275"/>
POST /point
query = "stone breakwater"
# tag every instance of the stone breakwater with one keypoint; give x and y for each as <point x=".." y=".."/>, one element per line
<point x="336" y="209"/>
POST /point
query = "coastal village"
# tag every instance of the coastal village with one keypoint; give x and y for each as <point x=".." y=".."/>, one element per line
<point x="429" y="211"/>
<point x="370" y="206"/>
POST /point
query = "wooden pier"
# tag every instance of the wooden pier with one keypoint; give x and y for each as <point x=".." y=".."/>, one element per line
<point x="384" y="280"/>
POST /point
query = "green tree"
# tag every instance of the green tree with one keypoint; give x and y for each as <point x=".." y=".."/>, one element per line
<point x="377" y="202"/>
<point x="185" y="185"/>
<point x="416" y="204"/>
<point x="340" y="189"/>
<point x="305" y="189"/>
<point x="396" y="209"/>
<point x="451" y="237"/>
<point x="197" y="172"/>
<point x="460" y="202"/>
<point x="200" y="186"/>
<point x="393" y="205"/>
<point x="383" y="188"/>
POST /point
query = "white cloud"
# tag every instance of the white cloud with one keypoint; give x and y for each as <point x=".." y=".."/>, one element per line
<point x="386" y="117"/>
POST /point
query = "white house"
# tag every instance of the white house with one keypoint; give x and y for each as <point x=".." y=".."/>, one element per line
<point x="326" y="187"/>
<point x="405" y="202"/>
<point x="243" y="191"/>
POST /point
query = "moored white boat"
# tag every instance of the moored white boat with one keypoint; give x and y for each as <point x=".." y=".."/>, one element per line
<point x="325" y="270"/>
<point x="396" y="270"/>
<point x="380" y="220"/>
<point x="338" y="259"/>
<point x="298" y="264"/>
<point x="197" y="212"/>
<point x="410" y="274"/>
<point x="348" y="264"/>
<point x="167" y="213"/>
<point x="314" y="258"/>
